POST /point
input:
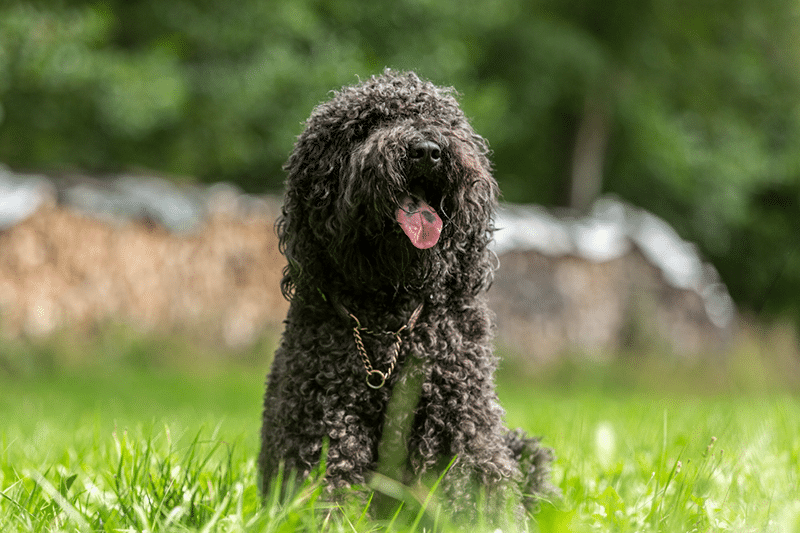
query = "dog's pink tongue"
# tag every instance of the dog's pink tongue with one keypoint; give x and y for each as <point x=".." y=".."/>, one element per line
<point x="419" y="222"/>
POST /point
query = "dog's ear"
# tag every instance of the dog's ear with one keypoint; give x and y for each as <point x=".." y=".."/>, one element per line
<point x="474" y="206"/>
<point x="302" y="226"/>
<point x="307" y="224"/>
<point x="284" y="227"/>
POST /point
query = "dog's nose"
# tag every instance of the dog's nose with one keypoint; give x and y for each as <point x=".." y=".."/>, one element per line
<point x="425" y="153"/>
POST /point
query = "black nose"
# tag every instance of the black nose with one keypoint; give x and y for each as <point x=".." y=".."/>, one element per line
<point x="425" y="153"/>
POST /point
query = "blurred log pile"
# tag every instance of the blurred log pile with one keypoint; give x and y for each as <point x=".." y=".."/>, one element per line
<point x="618" y="279"/>
<point x="80" y="253"/>
<point x="548" y="306"/>
<point x="61" y="267"/>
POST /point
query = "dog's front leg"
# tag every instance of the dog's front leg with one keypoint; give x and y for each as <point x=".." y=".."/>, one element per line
<point x="351" y="449"/>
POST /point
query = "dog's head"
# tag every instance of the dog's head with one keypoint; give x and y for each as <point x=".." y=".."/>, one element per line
<point x="388" y="188"/>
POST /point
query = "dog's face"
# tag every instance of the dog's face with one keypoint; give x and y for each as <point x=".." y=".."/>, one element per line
<point x="388" y="187"/>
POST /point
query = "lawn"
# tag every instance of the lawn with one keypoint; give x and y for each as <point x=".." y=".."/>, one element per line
<point x="125" y="434"/>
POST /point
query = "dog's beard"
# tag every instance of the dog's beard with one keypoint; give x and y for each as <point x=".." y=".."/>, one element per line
<point x="388" y="260"/>
<point x="391" y="236"/>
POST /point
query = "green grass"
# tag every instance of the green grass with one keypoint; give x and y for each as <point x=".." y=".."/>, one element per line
<point x="634" y="462"/>
<point x="125" y="434"/>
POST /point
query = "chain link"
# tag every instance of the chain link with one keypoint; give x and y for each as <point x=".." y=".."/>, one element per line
<point x="376" y="378"/>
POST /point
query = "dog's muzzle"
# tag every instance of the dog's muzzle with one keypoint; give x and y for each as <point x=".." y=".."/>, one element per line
<point x="419" y="221"/>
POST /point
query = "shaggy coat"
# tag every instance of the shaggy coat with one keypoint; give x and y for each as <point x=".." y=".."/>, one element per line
<point x="391" y="147"/>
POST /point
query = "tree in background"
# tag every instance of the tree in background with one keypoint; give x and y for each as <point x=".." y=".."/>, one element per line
<point x="688" y="108"/>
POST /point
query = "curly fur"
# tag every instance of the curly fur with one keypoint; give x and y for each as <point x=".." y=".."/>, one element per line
<point x="347" y="174"/>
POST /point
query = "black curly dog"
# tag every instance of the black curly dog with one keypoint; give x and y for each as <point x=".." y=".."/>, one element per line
<point x="385" y="225"/>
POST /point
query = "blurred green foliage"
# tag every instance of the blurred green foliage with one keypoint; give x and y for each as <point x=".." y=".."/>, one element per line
<point x="690" y="108"/>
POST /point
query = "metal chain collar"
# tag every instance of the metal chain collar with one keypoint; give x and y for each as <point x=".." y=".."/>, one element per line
<point x="376" y="378"/>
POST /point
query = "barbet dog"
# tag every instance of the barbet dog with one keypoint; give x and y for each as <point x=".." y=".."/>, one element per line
<point x="385" y="226"/>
